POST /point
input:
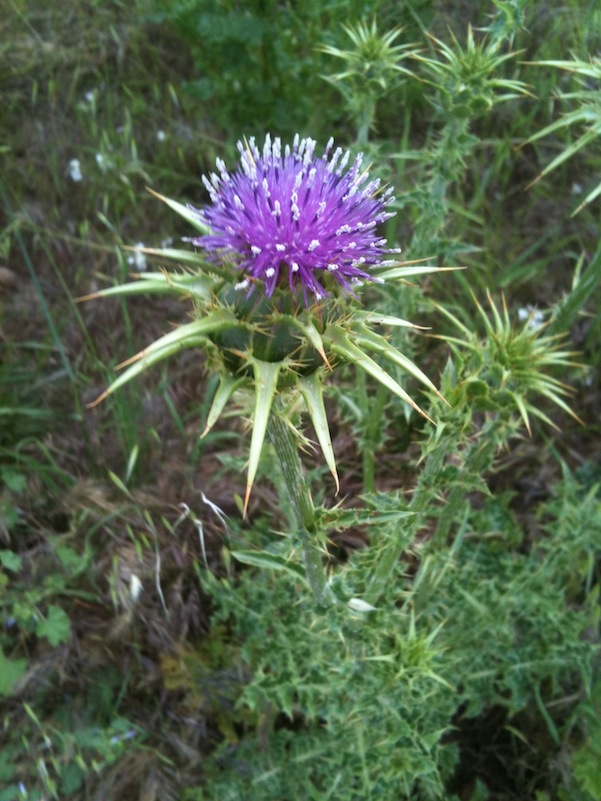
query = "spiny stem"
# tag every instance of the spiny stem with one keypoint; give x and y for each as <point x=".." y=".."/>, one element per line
<point x="479" y="459"/>
<point x="366" y="119"/>
<point x="285" y="446"/>
<point x="424" y="492"/>
<point x="373" y="410"/>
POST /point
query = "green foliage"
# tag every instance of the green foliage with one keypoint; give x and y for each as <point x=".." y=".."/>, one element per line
<point x="360" y="705"/>
<point x="11" y="672"/>
<point x="511" y="616"/>
<point x="509" y="20"/>
<point x="256" y="62"/>
<point x="353" y="680"/>
<point x="585" y="285"/>
<point x="61" y="754"/>
<point x="28" y="594"/>
<point x="587" y="757"/>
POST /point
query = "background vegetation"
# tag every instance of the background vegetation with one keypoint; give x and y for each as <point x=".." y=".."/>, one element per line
<point x="138" y="658"/>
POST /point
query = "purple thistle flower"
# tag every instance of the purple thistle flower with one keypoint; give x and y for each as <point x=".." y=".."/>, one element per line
<point x="296" y="218"/>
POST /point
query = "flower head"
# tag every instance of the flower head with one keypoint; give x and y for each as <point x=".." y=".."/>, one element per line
<point x="507" y="370"/>
<point x="285" y="224"/>
<point x="295" y="218"/>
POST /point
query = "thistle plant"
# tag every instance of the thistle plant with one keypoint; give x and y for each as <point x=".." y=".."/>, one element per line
<point x="466" y="78"/>
<point x="288" y="239"/>
<point x="496" y="383"/>
<point x="372" y="68"/>
<point x="507" y="368"/>
<point x="467" y="85"/>
<point x="509" y="20"/>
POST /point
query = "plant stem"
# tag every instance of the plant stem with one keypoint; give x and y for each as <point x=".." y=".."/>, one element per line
<point x="424" y="492"/>
<point x="284" y="443"/>
<point x="479" y="459"/>
<point x="373" y="412"/>
<point x="447" y="166"/>
<point x="366" y="119"/>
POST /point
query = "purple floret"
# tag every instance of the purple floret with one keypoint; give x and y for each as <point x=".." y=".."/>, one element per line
<point x="296" y="218"/>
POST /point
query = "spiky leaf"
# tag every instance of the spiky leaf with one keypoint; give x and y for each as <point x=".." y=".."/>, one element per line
<point x="266" y="381"/>
<point x="373" y="318"/>
<point x="183" y="211"/>
<point x="270" y="561"/>
<point x="380" y="344"/>
<point x="191" y="335"/>
<point x="411" y="271"/>
<point x="157" y="284"/>
<point x="312" y="391"/>
<point x="341" y="344"/>
<point x="227" y="386"/>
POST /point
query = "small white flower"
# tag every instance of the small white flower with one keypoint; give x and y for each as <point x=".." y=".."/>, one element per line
<point x="101" y="161"/>
<point x="135" y="587"/>
<point x="75" y="170"/>
<point x="161" y="136"/>
<point x="138" y="259"/>
<point x="576" y="188"/>
<point x="534" y="316"/>
<point x="90" y="96"/>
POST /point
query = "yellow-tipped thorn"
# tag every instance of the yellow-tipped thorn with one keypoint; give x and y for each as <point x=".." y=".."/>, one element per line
<point x="98" y="400"/>
<point x="415" y="261"/>
<point x="131" y="360"/>
<point x="156" y="194"/>
<point x="322" y="353"/>
<point x="246" y="500"/>
<point x="84" y="298"/>
<point x="533" y="183"/>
